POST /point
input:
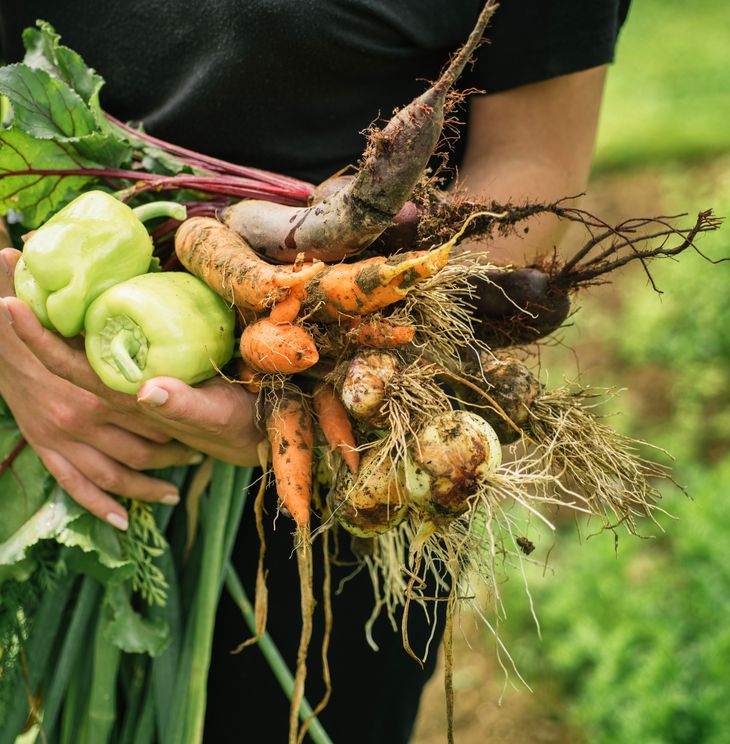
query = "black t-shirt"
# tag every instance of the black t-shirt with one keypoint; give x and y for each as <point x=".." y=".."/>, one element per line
<point x="289" y="85"/>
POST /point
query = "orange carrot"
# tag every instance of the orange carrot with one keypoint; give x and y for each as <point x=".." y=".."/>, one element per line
<point x="288" y="309"/>
<point x="229" y="266"/>
<point x="347" y="290"/>
<point x="290" y="431"/>
<point x="277" y="347"/>
<point x="335" y="424"/>
<point x="378" y="333"/>
<point x="249" y="378"/>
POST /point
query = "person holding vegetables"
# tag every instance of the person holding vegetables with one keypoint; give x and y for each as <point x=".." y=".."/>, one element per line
<point x="251" y="86"/>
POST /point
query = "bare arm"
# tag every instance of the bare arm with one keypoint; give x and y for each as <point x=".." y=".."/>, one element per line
<point x="534" y="142"/>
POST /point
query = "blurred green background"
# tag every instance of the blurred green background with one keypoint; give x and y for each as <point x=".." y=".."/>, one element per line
<point x="636" y="646"/>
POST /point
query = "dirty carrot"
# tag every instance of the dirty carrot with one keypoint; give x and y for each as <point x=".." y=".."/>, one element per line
<point x="290" y="431"/>
<point x="379" y="333"/>
<point x="335" y="424"/>
<point x="348" y="290"/>
<point x="277" y="347"/>
<point x="229" y="266"/>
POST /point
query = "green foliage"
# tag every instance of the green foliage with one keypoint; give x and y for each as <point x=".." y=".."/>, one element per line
<point x="639" y="643"/>
<point x="668" y="95"/>
<point x="142" y="543"/>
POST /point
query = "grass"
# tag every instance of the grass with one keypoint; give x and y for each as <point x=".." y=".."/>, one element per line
<point x="668" y="94"/>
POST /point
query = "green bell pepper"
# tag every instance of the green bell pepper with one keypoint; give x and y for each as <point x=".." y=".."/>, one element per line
<point x="170" y="324"/>
<point x="91" y="244"/>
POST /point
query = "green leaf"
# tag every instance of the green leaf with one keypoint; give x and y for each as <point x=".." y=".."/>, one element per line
<point x="45" y="524"/>
<point x="24" y="486"/>
<point x="38" y="196"/>
<point x="43" y="51"/>
<point x="128" y="630"/>
<point x="96" y="549"/>
<point x="44" y="106"/>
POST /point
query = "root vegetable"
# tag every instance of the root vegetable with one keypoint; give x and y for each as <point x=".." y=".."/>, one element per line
<point x="514" y="388"/>
<point x="277" y="347"/>
<point x="335" y="424"/>
<point x="348" y="290"/>
<point x="363" y="389"/>
<point x="290" y="431"/>
<point x="380" y="333"/>
<point x="374" y="501"/>
<point x="401" y="233"/>
<point x="518" y="307"/>
<point x="450" y="457"/>
<point x="355" y="215"/>
<point x="228" y="265"/>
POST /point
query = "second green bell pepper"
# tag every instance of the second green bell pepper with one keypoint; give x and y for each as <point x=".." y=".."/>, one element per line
<point x="165" y="324"/>
<point x="91" y="244"/>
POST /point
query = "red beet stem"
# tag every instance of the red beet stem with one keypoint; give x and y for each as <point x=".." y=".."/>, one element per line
<point x="218" y="165"/>
<point x="7" y="463"/>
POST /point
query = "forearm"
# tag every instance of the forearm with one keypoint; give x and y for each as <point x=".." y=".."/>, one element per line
<point x="534" y="143"/>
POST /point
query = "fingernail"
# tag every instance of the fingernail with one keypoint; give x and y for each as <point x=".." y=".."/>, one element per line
<point x="154" y="397"/>
<point x="170" y="499"/>
<point x="4" y="264"/>
<point x="117" y="520"/>
<point x="196" y="459"/>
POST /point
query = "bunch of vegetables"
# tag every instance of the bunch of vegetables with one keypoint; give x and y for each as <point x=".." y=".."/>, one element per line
<point x="388" y="380"/>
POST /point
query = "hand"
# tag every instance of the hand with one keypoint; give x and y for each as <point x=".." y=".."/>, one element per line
<point x="217" y="418"/>
<point x="87" y="444"/>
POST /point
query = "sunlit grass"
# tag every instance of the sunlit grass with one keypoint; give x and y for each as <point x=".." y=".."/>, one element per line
<point x="668" y="94"/>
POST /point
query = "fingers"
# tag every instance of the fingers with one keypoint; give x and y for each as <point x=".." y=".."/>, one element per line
<point x="83" y="491"/>
<point x="213" y="408"/>
<point x="113" y="477"/>
<point x="139" y="453"/>
<point x="8" y="258"/>
<point x="55" y="354"/>
<point x="217" y="418"/>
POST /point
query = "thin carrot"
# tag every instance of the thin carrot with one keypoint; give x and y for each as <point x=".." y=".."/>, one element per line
<point x="229" y="266"/>
<point x="290" y="431"/>
<point x="277" y="347"/>
<point x="288" y="309"/>
<point x="348" y="290"/>
<point x="335" y="424"/>
<point x="379" y="333"/>
<point x="249" y="378"/>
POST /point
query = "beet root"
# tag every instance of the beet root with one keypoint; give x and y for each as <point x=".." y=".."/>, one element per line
<point x="351" y="218"/>
<point x="518" y="307"/>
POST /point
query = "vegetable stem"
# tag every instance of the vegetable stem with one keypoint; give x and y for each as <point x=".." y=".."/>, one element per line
<point x="207" y="596"/>
<point x="38" y="652"/>
<point x="74" y="640"/>
<point x="170" y="209"/>
<point x="102" y="709"/>
<point x="272" y="655"/>
<point x="123" y="350"/>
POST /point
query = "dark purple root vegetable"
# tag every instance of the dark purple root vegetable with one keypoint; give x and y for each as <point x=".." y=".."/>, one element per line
<point x="518" y="307"/>
<point x="401" y="233"/>
<point x="528" y="303"/>
<point x="349" y="220"/>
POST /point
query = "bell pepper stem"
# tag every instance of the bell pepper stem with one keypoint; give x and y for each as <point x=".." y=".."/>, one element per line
<point x="122" y="347"/>
<point x="169" y="209"/>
